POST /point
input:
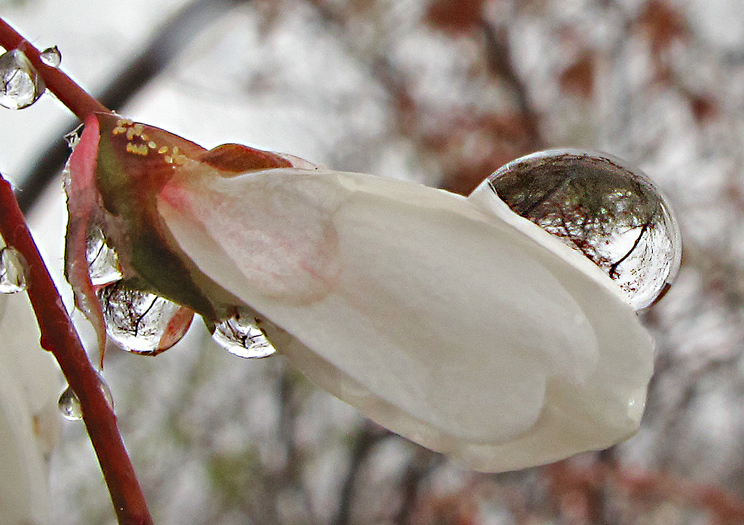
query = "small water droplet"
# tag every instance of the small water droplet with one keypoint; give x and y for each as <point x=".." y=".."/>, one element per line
<point x="51" y="56"/>
<point x="12" y="271"/>
<point x="103" y="262"/>
<point x="613" y="215"/>
<point x="20" y="83"/>
<point x="141" y="322"/>
<point x="240" y="335"/>
<point x="69" y="404"/>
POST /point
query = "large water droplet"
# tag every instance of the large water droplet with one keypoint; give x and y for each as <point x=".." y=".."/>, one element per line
<point x="69" y="404"/>
<point x="51" y="56"/>
<point x="240" y="335"/>
<point x="20" y="83"/>
<point x="141" y="322"/>
<point x="103" y="263"/>
<point x="12" y="271"/>
<point x="593" y="203"/>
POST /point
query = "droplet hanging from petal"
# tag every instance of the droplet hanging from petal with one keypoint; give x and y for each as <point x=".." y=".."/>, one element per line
<point x="12" y="271"/>
<point x="611" y="214"/>
<point x="141" y="322"/>
<point x="69" y="404"/>
<point x="241" y="336"/>
<point x="51" y="56"/>
<point x="103" y="262"/>
<point x="20" y="83"/>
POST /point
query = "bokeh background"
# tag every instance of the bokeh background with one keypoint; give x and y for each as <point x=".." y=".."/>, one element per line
<point x="442" y="92"/>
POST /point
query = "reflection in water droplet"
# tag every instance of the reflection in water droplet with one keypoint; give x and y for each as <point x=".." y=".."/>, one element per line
<point x="595" y="205"/>
<point x="69" y="404"/>
<point x="12" y="271"/>
<point x="51" y="56"/>
<point x="103" y="263"/>
<point x="241" y="336"/>
<point x="20" y="83"/>
<point x="141" y="322"/>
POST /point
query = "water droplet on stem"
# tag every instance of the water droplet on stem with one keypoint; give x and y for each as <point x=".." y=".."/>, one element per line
<point x="611" y="214"/>
<point x="20" y="83"/>
<point x="51" y="56"/>
<point x="69" y="404"/>
<point x="241" y="336"/>
<point x="12" y="271"/>
<point x="142" y="322"/>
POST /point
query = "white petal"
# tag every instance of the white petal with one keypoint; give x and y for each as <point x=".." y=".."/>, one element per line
<point x="433" y="316"/>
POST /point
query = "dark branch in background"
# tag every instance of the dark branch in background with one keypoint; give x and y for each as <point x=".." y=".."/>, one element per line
<point x="168" y="42"/>
<point x="415" y="474"/>
<point x="498" y="52"/>
<point x="364" y="441"/>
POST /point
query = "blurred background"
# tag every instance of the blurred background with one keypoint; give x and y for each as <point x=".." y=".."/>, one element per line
<point x="442" y="92"/>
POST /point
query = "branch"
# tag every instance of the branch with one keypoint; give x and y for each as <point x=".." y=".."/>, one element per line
<point x="58" y="335"/>
<point x="166" y="44"/>
<point x="67" y="91"/>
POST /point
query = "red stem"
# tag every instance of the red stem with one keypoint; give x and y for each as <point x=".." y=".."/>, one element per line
<point x="58" y="335"/>
<point x="67" y="91"/>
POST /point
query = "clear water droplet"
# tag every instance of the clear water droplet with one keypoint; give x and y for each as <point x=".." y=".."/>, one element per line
<point x="141" y="322"/>
<point x="20" y="83"/>
<point x="241" y="336"/>
<point x="51" y="56"/>
<point x="69" y="404"/>
<point x="12" y="271"/>
<point x="596" y="205"/>
<point x="103" y="262"/>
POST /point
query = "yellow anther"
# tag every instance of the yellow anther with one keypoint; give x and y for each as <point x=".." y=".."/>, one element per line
<point x="163" y="149"/>
<point x="150" y="144"/>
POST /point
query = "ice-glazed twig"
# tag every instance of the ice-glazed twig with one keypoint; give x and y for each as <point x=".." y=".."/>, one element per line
<point x="77" y="100"/>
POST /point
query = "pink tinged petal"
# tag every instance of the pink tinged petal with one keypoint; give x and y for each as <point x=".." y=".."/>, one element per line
<point x="83" y="202"/>
<point x="435" y="317"/>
